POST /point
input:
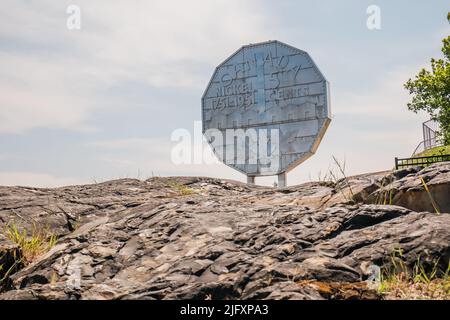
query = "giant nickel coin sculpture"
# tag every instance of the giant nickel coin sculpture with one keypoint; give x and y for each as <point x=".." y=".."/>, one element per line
<point x="266" y="109"/>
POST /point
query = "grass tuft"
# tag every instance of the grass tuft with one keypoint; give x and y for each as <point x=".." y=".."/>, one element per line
<point x="181" y="188"/>
<point x="334" y="178"/>
<point x="436" y="151"/>
<point x="433" y="202"/>
<point x="399" y="282"/>
<point x="32" y="243"/>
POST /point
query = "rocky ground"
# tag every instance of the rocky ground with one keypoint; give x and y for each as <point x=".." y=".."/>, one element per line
<point x="203" y="238"/>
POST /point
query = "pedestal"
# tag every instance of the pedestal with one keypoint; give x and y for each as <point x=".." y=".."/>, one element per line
<point x="282" y="180"/>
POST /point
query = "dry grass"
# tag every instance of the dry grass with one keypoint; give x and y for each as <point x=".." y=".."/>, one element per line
<point x="32" y="243"/>
<point x="400" y="283"/>
<point x="6" y="270"/>
<point x="181" y="188"/>
<point x="433" y="202"/>
<point x="385" y="194"/>
<point x="339" y="179"/>
<point x="401" y="289"/>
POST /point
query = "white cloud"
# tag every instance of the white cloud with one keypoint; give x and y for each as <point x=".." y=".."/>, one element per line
<point x="130" y="143"/>
<point x="51" y="76"/>
<point x="35" y="93"/>
<point x="35" y="179"/>
<point x="153" y="157"/>
<point x="55" y="78"/>
<point x="387" y="98"/>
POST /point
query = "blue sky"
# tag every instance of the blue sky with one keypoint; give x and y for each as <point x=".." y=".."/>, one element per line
<point x="99" y="103"/>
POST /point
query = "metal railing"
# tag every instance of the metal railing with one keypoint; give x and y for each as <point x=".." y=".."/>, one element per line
<point x="426" y="145"/>
<point x="430" y="137"/>
<point x="420" y="161"/>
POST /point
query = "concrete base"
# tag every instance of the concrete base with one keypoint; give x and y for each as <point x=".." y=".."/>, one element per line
<point x="250" y="180"/>
<point x="282" y="182"/>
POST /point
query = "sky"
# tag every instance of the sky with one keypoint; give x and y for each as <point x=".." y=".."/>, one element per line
<point x="101" y="102"/>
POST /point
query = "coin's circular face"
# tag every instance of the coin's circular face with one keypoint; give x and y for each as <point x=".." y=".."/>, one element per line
<point x="276" y="97"/>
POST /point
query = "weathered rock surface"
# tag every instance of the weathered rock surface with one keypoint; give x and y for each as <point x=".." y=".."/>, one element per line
<point x="406" y="188"/>
<point x="203" y="238"/>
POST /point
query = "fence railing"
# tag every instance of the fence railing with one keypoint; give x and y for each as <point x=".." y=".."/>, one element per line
<point x="420" y="161"/>
<point x="428" y="144"/>
<point x="430" y="137"/>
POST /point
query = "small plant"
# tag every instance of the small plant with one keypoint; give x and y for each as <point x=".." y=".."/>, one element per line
<point x="420" y="275"/>
<point x="399" y="282"/>
<point x="32" y="244"/>
<point x="390" y="191"/>
<point x="334" y="178"/>
<point x="433" y="202"/>
<point x="11" y="261"/>
<point x="324" y="178"/>
<point x="181" y="188"/>
<point x="385" y="195"/>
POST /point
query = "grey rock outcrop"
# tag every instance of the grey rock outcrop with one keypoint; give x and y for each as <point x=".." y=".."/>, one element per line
<point x="203" y="238"/>
<point x="407" y="188"/>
